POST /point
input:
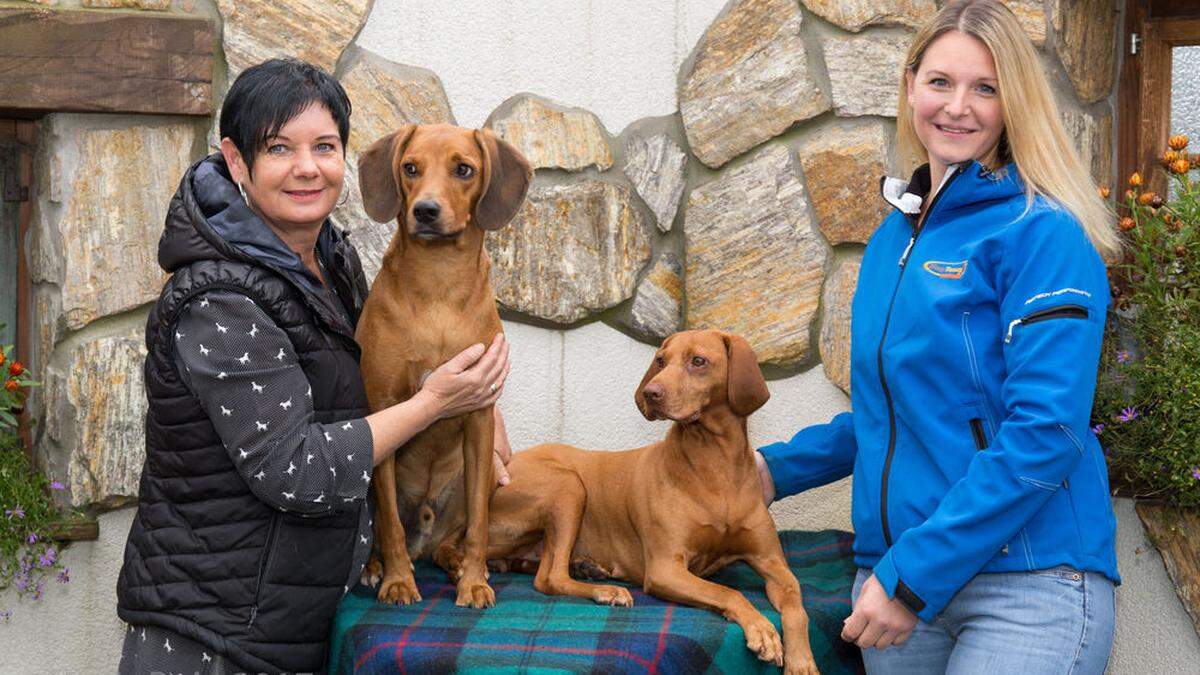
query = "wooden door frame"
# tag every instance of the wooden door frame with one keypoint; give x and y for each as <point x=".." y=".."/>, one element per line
<point x="1152" y="28"/>
<point x="24" y="134"/>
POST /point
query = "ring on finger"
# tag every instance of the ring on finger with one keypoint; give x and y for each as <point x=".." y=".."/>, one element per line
<point x="492" y="387"/>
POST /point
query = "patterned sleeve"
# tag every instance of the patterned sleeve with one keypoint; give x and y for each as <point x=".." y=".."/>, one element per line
<point x="243" y="368"/>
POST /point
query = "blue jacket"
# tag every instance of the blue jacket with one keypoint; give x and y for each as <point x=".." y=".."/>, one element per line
<point x="974" y="348"/>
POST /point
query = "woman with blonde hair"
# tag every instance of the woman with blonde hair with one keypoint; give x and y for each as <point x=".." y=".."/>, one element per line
<point x="984" y="530"/>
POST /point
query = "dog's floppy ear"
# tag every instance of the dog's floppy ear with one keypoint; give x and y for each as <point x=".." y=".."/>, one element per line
<point x="378" y="180"/>
<point x="653" y="370"/>
<point x="506" y="175"/>
<point x="746" y="386"/>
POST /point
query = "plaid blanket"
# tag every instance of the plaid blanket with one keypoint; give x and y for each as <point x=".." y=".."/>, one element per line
<point x="528" y="632"/>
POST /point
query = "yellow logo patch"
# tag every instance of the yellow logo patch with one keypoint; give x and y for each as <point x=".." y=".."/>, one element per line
<point x="946" y="270"/>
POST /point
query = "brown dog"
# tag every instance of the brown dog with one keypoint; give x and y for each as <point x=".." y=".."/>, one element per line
<point x="668" y="514"/>
<point x="432" y="299"/>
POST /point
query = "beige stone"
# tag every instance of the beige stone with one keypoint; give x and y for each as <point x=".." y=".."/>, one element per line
<point x="552" y="136"/>
<point x="658" y="302"/>
<point x="1092" y="136"/>
<point x="854" y="15"/>
<point x="131" y="4"/>
<point x="841" y="171"/>
<point x="836" y="301"/>
<point x="311" y="30"/>
<point x="96" y="407"/>
<point x="97" y="224"/>
<point x="654" y="164"/>
<point x="864" y="72"/>
<point x="1032" y="15"/>
<point x="750" y="81"/>
<point x="572" y="249"/>
<point x="386" y="96"/>
<point x="754" y="259"/>
<point x="1087" y="45"/>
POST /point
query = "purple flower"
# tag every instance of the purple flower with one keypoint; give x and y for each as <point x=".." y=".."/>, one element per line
<point x="1196" y="473"/>
<point x="32" y="538"/>
<point x="15" y="511"/>
<point x="56" y="485"/>
<point x="1128" y="415"/>
<point x="1098" y="429"/>
<point x="5" y="615"/>
<point x="47" y="559"/>
<point x="64" y="575"/>
<point x="1122" y="356"/>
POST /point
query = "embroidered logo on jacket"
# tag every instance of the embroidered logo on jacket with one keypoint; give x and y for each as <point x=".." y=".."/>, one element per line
<point x="946" y="270"/>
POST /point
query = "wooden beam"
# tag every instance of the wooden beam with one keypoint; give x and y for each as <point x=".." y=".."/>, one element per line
<point x="105" y="61"/>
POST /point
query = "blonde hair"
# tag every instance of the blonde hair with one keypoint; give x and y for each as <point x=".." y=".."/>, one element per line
<point x="1033" y="136"/>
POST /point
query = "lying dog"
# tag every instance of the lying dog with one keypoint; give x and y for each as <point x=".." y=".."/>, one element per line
<point x="668" y="514"/>
<point x="432" y="299"/>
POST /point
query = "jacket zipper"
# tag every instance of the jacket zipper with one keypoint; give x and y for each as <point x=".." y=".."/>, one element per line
<point x="262" y="567"/>
<point x="977" y="434"/>
<point x="887" y="394"/>
<point x="1060" y="312"/>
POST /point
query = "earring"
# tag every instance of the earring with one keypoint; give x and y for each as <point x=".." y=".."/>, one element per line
<point x="344" y="198"/>
<point x="243" y="191"/>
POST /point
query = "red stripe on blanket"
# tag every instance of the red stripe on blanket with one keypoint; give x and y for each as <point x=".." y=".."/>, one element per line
<point x="662" y="639"/>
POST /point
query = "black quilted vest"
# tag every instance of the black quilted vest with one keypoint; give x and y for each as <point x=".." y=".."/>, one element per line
<point x="205" y="558"/>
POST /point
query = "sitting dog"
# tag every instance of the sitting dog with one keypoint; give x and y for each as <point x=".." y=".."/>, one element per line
<point x="431" y="299"/>
<point x="668" y="514"/>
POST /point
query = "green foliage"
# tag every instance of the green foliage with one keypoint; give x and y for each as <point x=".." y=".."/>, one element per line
<point x="1147" y="408"/>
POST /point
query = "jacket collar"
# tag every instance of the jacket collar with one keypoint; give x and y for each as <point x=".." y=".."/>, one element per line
<point x="973" y="184"/>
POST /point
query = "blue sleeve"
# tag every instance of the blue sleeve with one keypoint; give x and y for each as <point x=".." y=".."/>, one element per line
<point x="1051" y="274"/>
<point x="243" y="369"/>
<point x="816" y="455"/>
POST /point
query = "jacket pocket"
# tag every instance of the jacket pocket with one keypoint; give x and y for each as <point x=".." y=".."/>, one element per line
<point x="977" y="377"/>
<point x="264" y="564"/>
<point x="1059" y="312"/>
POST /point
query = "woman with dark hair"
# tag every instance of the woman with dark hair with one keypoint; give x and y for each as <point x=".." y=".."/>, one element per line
<point x="253" y="518"/>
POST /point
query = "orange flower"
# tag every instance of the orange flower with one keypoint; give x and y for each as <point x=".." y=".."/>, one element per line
<point x="1178" y="142"/>
<point x="1127" y="224"/>
<point x="15" y="369"/>
<point x="1135" y="180"/>
<point x="1129" y="195"/>
<point x="1168" y="157"/>
<point x="1180" y="250"/>
<point x="1181" y="166"/>
<point x="11" y="385"/>
<point x="1145" y="198"/>
<point x="1104" y="192"/>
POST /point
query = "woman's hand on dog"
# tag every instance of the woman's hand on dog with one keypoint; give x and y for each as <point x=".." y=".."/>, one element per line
<point x="471" y="380"/>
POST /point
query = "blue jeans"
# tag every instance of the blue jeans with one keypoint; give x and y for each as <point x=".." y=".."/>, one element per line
<point x="1053" y="622"/>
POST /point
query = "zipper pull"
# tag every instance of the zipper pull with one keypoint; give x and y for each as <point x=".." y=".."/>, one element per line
<point x="1012" y="324"/>
<point x="907" y="249"/>
<point x="253" y="614"/>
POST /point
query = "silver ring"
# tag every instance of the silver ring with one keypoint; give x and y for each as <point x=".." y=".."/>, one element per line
<point x="492" y="387"/>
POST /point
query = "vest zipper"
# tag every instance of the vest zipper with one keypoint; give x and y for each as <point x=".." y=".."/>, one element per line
<point x="887" y="394"/>
<point x="977" y="434"/>
<point x="262" y="567"/>
<point x="1060" y="312"/>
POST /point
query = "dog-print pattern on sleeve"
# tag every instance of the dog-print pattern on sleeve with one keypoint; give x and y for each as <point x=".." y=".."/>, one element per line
<point x="247" y="376"/>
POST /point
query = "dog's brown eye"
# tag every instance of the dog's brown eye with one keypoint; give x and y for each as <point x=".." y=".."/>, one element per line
<point x="464" y="170"/>
<point x="410" y="169"/>
<point x="699" y="361"/>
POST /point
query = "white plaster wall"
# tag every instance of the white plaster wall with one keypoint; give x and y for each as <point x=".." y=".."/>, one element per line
<point x="1185" y="91"/>
<point x="617" y="58"/>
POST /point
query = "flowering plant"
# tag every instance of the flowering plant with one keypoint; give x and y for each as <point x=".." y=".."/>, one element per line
<point x="28" y="559"/>
<point x="1147" y="407"/>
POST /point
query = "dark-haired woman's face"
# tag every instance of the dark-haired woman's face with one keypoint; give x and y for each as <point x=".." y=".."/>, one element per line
<point x="298" y="173"/>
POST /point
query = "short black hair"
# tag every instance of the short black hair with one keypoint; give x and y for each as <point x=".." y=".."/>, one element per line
<point x="268" y="95"/>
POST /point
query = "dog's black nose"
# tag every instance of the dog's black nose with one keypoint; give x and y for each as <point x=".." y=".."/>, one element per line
<point x="426" y="211"/>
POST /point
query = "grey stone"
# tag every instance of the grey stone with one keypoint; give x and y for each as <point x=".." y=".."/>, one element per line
<point x="864" y="72"/>
<point x="750" y="81"/>
<point x="841" y="171"/>
<point x="552" y="136"/>
<point x="572" y="249"/>
<point x="854" y="15"/>
<point x="658" y="302"/>
<point x="754" y="259"/>
<point x="315" y="31"/>
<point x="654" y="164"/>
<point x="836" y="300"/>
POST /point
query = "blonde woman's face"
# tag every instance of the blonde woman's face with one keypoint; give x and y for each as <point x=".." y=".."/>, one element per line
<point x="955" y="101"/>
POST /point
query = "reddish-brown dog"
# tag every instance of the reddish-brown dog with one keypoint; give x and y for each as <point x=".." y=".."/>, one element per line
<point x="446" y="186"/>
<point x="668" y="514"/>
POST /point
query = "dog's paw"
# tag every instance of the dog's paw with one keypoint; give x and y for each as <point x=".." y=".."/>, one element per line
<point x="399" y="590"/>
<point x="800" y="666"/>
<point x="763" y="640"/>
<point x="476" y="595"/>
<point x="372" y="573"/>
<point x="615" y="596"/>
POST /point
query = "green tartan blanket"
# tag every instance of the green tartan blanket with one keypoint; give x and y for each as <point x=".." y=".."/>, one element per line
<point x="527" y="632"/>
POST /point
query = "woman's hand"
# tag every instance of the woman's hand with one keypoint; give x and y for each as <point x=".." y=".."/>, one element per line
<point x="764" y="477"/>
<point x="877" y="621"/>
<point x="473" y="379"/>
